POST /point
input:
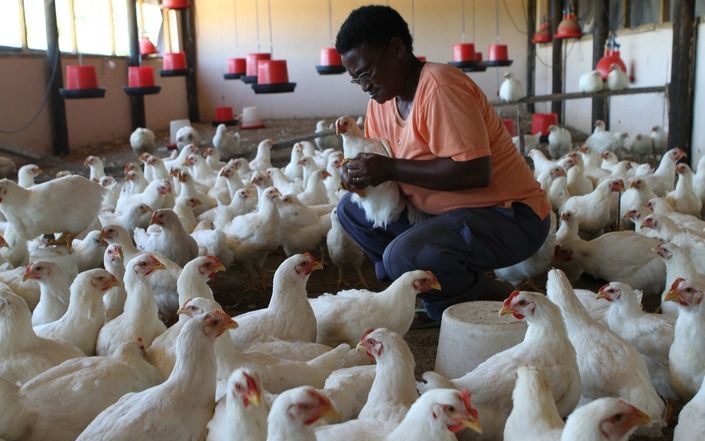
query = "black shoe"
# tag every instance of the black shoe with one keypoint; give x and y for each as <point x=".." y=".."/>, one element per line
<point x="423" y="321"/>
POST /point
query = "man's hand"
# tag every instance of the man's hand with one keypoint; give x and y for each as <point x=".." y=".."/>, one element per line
<point x="366" y="169"/>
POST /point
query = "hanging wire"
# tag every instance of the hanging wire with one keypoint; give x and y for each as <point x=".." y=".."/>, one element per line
<point x="474" y="21"/>
<point x="509" y="13"/>
<point x="237" y="46"/>
<point x="413" y="21"/>
<point x="330" y="21"/>
<point x="462" y="17"/>
<point x="257" y="22"/>
<point x="496" y="17"/>
<point x="269" y="11"/>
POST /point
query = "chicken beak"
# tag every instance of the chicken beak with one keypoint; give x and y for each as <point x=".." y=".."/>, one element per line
<point x="602" y="294"/>
<point x="331" y="413"/>
<point x="112" y="282"/>
<point x="155" y="266"/>
<point x="27" y="275"/>
<point x="3" y="242"/>
<point x="672" y="296"/>
<point x="253" y="397"/>
<point x="505" y="311"/>
<point x="435" y="284"/>
<point x="473" y="424"/>
<point x="226" y="324"/>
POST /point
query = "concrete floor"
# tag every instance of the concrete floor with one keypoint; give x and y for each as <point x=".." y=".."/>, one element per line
<point x="228" y="286"/>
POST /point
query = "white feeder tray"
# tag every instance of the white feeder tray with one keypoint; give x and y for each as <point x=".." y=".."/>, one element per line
<point x="472" y="332"/>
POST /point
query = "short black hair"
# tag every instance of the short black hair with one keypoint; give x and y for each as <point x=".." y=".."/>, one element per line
<point x="373" y="25"/>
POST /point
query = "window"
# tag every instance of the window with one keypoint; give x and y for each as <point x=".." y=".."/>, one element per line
<point x="640" y="12"/>
<point x="85" y="26"/>
<point x="10" y="24"/>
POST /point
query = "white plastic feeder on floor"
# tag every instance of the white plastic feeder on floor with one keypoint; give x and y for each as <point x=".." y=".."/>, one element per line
<point x="472" y="332"/>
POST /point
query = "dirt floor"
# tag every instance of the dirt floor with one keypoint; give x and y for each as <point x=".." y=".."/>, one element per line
<point x="228" y="286"/>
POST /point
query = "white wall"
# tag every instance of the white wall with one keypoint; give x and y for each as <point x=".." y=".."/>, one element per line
<point x="300" y="30"/>
<point x="699" y="105"/>
<point x="648" y="53"/>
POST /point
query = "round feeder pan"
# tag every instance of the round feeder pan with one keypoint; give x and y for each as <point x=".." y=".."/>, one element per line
<point x="497" y="63"/>
<point x="249" y="79"/>
<point x="174" y="73"/>
<point x="150" y="90"/>
<point x="274" y="88"/>
<point x="82" y="93"/>
<point x="330" y="70"/>
<point x="233" y="76"/>
<point x="231" y="122"/>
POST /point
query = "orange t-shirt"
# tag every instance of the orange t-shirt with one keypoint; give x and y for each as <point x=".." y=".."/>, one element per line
<point x="451" y="118"/>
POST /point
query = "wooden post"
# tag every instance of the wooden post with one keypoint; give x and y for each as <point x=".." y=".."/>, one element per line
<point x="57" y="106"/>
<point x="136" y="101"/>
<point x="681" y="90"/>
<point x="188" y="27"/>
<point x="531" y="53"/>
<point x="600" y="108"/>
<point x="557" y="59"/>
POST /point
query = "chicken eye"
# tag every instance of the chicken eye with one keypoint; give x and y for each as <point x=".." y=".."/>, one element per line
<point x="689" y="290"/>
<point x="618" y="417"/>
<point x="451" y="409"/>
<point x="521" y="303"/>
<point x="238" y="387"/>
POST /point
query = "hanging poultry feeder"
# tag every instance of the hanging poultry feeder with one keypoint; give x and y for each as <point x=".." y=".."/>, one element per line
<point x="253" y="60"/>
<point x="147" y="47"/>
<point x="331" y="63"/>
<point x="543" y="35"/>
<point x="273" y="77"/>
<point x="175" y="4"/>
<point x="611" y="56"/>
<point x="237" y="67"/>
<point x="224" y="115"/>
<point x="465" y="58"/>
<point x="569" y="26"/>
<point x="174" y="65"/>
<point x="140" y="81"/>
<point x="498" y="55"/>
<point x="81" y="82"/>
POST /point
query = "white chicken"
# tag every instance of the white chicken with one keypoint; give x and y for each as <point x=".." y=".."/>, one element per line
<point x="88" y="251"/>
<point x="53" y="294"/>
<point x="345" y="316"/>
<point x="691" y="419"/>
<point x="26" y="175"/>
<point x="85" y="315"/>
<point x="617" y="79"/>
<point x="329" y="141"/>
<point x="171" y="240"/>
<point x="24" y="355"/>
<point x="595" y="211"/>
<point x="660" y="138"/>
<point x="640" y="148"/>
<point x="57" y="398"/>
<point x="242" y="412"/>
<point x="651" y="334"/>
<point x="687" y="353"/>
<point x="343" y="251"/>
<point x="114" y="298"/>
<point x="602" y="140"/>
<point x="187" y="135"/>
<point x="288" y="316"/>
<point x="383" y="203"/>
<point x="546" y="346"/>
<point x="393" y="389"/>
<point x="263" y="158"/>
<point x="590" y="82"/>
<point x="560" y="141"/>
<point x="534" y="414"/>
<point x="684" y="199"/>
<point x="310" y="226"/>
<point x="42" y="209"/>
<point x="609" y="366"/>
<point x="227" y="144"/>
<point x="605" y="419"/>
<point x="140" y="317"/>
<point x="142" y="141"/>
<point x="179" y="408"/>
<point x="511" y="88"/>
<point x="295" y="412"/>
<point x="663" y="179"/>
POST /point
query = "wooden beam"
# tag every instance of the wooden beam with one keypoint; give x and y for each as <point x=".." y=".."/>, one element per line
<point x="188" y="27"/>
<point x="557" y="58"/>
<point x="57" y="106"/>
<point x="136" y="101"/>
<point x="581" y="95"/>
<point x="601" y="26"/>
<point x="681" y="91"/>
<point x="531" y="53"/>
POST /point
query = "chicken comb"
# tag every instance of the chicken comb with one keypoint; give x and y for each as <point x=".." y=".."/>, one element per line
<point x="603" y="287"/>
<point x="251" y="383"/>
<point x="508" y="301"/>
<point x="677" y="282"/>
<point x="213" y="259"/>
<point x="366" y="333"/>
<point x="465" y="396"/>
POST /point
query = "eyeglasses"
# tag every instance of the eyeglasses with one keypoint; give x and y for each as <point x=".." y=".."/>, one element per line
<point x="369" y="74"/>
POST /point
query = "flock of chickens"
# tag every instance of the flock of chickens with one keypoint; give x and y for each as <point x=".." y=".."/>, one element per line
<point x="110" y="331"/>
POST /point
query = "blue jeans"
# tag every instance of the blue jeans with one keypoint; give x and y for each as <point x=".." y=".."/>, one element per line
<point x="457" y="246"/>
